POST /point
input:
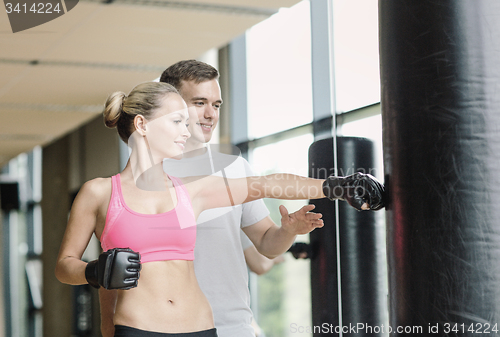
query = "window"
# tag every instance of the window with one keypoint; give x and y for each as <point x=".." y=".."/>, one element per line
<point x="355" y="41"/>
<point x="280" y="304"/>
<point x="279" y="124"/>
<point x="279" y="72"/>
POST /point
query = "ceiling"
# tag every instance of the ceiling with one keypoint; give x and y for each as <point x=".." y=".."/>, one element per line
<point x="56" y="76"/>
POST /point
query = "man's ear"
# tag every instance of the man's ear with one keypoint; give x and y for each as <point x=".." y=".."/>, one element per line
<point x="140" y="124"/>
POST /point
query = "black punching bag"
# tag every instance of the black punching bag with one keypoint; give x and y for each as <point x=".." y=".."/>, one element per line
<point x="440" y="76"/>
<point x="363" y="290"/>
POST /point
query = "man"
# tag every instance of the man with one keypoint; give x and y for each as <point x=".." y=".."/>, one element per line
<point x="219" y="261"/>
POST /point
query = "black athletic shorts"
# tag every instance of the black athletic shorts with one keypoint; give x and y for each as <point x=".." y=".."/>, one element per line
<point x="126" y="331"/>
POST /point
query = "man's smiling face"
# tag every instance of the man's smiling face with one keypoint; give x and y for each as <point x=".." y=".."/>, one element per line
<point x="203" y="100"/>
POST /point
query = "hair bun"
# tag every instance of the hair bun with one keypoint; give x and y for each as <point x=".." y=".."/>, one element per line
<point x="113" y="108"/>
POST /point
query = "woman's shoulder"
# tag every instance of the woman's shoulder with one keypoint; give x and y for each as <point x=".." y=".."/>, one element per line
<point x="97" y="189"/>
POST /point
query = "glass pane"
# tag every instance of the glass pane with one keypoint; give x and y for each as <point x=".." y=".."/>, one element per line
<point x="284" y="298"/>
<point x="279" y="72"/>
<point x="355" y="39"/>
<point x="370" y="128"/>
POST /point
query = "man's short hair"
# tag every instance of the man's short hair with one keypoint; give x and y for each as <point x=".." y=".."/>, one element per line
<point x="188" y="70"/>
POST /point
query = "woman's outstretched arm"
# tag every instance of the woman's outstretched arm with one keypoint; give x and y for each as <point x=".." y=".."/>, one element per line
<point x="284" y="186"/>
<point x="361" y="191"/>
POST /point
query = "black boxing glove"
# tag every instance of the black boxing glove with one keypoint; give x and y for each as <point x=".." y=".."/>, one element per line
<point x="117" y="268"/>
<point x="300" y="250"/>
<point x="357" y="189"/>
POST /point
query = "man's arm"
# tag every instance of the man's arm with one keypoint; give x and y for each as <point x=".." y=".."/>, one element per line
<point x="258" y="263"/>
<point x="272" y="240"/>
<point x="107" y="300"/>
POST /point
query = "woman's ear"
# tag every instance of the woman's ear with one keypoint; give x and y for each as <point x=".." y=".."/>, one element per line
<point x="140" y="124"/>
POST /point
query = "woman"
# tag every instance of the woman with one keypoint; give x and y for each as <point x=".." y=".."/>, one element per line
<point x="154" y="214"/>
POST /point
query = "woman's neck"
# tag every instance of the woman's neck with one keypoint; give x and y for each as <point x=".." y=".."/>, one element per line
<point x="145" y="170"/>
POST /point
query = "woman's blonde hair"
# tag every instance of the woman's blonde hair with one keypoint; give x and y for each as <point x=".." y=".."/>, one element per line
<point x="120" y="109"/>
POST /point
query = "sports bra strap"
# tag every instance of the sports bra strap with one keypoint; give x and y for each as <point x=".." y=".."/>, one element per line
<point x="115" y="205"/>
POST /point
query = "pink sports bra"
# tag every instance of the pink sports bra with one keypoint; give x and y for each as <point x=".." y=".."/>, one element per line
<point x="157" y="237"/>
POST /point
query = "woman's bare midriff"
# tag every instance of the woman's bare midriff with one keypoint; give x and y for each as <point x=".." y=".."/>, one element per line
<point x="167" y="299"/>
